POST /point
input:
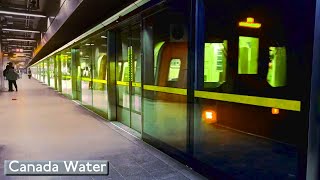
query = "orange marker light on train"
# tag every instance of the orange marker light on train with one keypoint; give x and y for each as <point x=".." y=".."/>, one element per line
<point x="209" y="116"/>
<point x="275" y="111"/>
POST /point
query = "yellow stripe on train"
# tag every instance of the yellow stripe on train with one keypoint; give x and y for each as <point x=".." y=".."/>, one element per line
<point x="291" y="105"/>
<point x="251" y="100"/>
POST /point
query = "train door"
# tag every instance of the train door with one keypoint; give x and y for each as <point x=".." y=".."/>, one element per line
<point x="129" y="76"/>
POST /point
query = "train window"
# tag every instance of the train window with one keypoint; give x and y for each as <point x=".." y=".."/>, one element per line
<point x="134" y="69"/>
<point x="277" y="67"/>
<point x="215" y="64"/>
<point x="174" y="69"/>
<point x="125" y="72"/>
<point x="156" y="51"/>
<point x="248" y="55"/>
<point x="119" y="71"/>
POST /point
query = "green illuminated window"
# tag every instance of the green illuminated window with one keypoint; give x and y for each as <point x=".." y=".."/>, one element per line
<point x="248" y="55"/>
<point x="125" y="73"/>
<point x="215" y="64"/>
<point x="100" y="62"/>
<point x="277" y="66"/>
<point x="174" y="69"/>
<point x="119" y="71"/>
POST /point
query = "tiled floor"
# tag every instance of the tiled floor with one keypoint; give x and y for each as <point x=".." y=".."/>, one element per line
<point x="43" y="125"/>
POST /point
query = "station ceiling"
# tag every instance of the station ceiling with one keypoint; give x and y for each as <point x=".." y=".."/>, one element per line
<point x="25" y="23"/>
<point x="88" y="14"/>
<point x="22" y="22"/>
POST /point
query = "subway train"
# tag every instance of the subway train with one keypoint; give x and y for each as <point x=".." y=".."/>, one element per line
<point x="222" y="86"/>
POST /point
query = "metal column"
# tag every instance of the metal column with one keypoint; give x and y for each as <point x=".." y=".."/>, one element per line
<point x="313" y="159"/>
<point x="111" y="76"/>
<point x="59" y="72"/>
<point x="75" y="68"/>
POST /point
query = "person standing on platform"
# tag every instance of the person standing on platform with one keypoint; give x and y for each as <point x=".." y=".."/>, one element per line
<point x="5" y="71"/>
<point x="12" y="77"/>
<point x="9" y="66"/>
<point x="20" y="73"/>
<point x="29" y="73"/>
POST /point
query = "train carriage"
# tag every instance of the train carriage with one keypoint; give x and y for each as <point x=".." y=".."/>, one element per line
<point x="222" y="86"/>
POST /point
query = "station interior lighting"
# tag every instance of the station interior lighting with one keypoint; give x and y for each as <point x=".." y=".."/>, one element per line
<point x="20" y="30"/>
<point x="14" y="39"/>
<point x="22" y="14"/>
<point x="15" y="45"/>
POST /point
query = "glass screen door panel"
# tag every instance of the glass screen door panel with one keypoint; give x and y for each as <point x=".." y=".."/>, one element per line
<point x="86" y="67"/>
<point x="129" y="77"/>
<point x="123" y="97"/>
<point x="136" y="79"/>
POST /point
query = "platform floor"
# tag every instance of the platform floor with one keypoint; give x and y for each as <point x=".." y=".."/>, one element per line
<point x="41" y="124"/>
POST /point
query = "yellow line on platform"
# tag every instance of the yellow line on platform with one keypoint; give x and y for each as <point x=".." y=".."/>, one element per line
<point x="99" y="81"/>
<point x="68" y="77"/>
<point x="136" y="84"/>
<point x="122" y="83"/>
<point x="86" y="79"/>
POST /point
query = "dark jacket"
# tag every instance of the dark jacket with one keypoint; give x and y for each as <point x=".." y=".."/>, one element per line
<point x="6" y="70"/>
<point x="11" y="74"/>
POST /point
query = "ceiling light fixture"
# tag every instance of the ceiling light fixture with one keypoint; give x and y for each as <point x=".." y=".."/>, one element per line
<point x="19" y="50"/>
<point x="21" y="14"/>
<point x="20" y="30"/>
<point x="14" y="45"/>
<point x="14" y="39"/>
